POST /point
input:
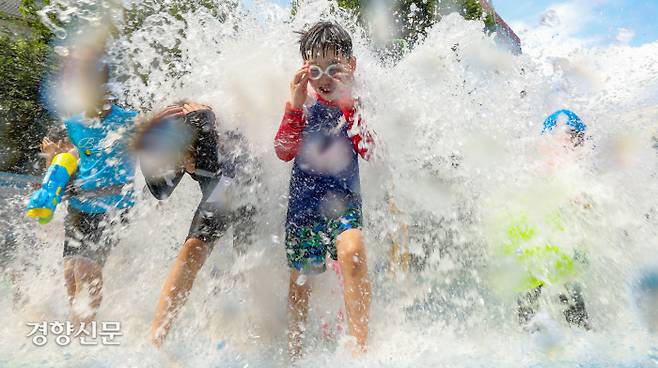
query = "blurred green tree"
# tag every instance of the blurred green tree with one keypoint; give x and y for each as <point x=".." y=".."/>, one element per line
<point x="412" y="18"/>
<point x="27" y="56"/>
<point x="173" y="62"/>
<point x="24" y="59"/>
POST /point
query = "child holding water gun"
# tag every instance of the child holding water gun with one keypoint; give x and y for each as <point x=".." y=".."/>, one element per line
<point x="91" y="166"/>
<point x="325" y="136"/>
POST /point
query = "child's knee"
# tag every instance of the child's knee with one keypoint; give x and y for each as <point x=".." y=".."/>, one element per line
<point x="351" y="250"/>
<point x="84" y="274"/>
<point x="300" y="288"/>
<point x="194" y="252"/>
<point x="86" y="269"/>
<point x="298" y="280"/>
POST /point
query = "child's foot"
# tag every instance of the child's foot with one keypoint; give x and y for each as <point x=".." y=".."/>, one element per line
<point x="527" y="305"/>
<point x="575" y="312"/>
<point x="546" y="332"/>
<point x="156" y="337"/>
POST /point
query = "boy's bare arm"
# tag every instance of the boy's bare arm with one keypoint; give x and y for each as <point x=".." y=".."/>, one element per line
<point x="344" y="79"/>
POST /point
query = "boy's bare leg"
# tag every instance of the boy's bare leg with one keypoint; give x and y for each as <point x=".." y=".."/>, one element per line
<point x="83" y="275"/>
<point x="298" y="297"/>
<point x="69" y="279"/>
<point x="352" y="259"/>
<point x="177" y="287"/>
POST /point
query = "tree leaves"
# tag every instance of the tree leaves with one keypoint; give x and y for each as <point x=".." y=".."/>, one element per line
<point x="24" y="61"/>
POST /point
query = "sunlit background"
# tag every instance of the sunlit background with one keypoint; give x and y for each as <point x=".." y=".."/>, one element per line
<point x="595" y="22"/>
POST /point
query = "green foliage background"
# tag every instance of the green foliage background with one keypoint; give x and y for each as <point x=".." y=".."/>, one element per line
<point x="25" y="57"/>
<point x="173" y="60"/>
<point x="411" y="28"/>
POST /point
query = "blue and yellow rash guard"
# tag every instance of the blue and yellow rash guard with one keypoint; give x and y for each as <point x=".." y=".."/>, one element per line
<point x="106" y="169"/>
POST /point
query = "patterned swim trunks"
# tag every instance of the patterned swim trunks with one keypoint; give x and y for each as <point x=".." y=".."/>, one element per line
<point x="307" y="246"/>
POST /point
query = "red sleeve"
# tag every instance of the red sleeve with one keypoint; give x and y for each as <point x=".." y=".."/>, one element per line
<point x="362" y="139"/>
<point x="289" y="137"/>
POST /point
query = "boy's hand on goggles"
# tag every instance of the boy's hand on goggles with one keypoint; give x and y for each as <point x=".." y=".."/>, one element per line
<point x="299" y="87"/>
<point x="344" y="79"/>
<point x="344" y="74"/>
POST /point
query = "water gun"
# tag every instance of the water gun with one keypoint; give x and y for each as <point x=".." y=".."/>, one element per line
<point x="43" y="202"/>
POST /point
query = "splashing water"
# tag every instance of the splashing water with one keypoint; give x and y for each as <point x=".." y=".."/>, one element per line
<point x="458" y="127"/>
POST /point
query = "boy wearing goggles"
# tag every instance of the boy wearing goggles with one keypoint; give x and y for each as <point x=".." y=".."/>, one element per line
<point x="325" y="136"/>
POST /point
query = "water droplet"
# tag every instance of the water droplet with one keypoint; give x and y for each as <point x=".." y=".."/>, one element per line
<point x="61" y="50"/>
<point x="60" y="33"/>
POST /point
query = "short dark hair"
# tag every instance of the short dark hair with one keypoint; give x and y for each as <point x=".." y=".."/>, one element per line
<point x="577" y="138"/>
<point x="324" y="37"/>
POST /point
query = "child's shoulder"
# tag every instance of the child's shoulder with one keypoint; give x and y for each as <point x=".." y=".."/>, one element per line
<point x="73" y="121"/>
<point x="123" y="113"/>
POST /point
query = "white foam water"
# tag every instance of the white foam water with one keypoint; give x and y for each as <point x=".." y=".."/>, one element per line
<point x="458" y="125"/>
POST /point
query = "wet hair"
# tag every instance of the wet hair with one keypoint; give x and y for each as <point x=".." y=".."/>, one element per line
<point x="204" y="141"/>
<point x="325" y="37"/>
<point x="204" y="145"/>
<point x="204" y="148"/>
<point x="577" y="138"/>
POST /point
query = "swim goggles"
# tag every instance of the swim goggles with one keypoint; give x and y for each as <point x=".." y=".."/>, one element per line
<point x="315" y="72"/>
